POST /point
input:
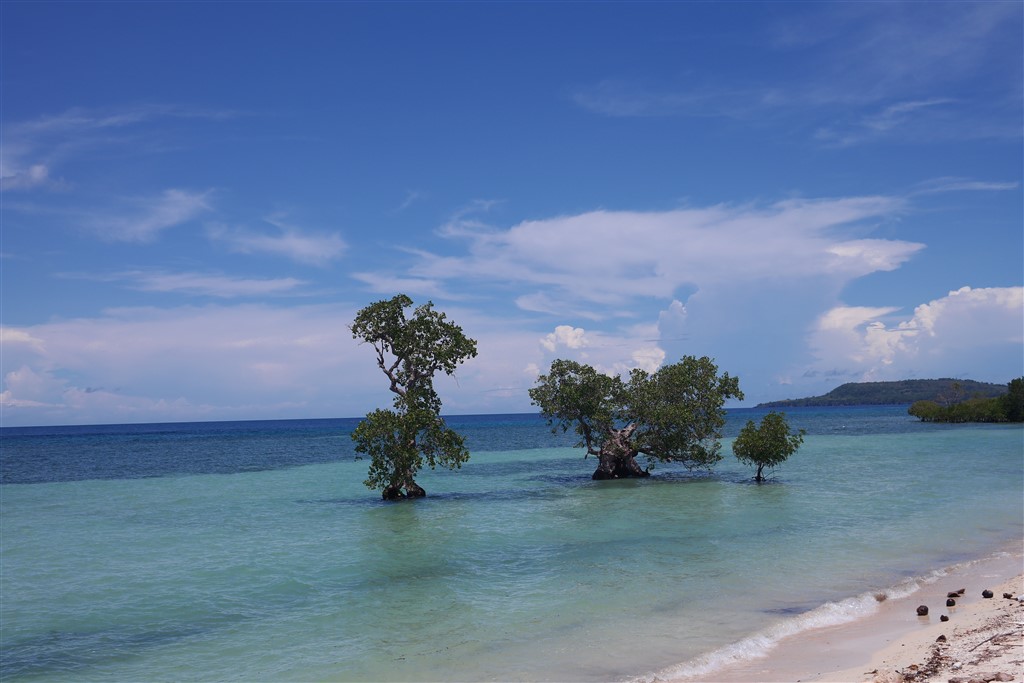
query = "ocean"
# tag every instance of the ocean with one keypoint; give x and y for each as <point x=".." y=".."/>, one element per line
<point x="251" y="551"/>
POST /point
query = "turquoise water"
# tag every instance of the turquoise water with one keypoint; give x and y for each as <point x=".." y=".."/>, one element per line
<point x="251" y="551"/>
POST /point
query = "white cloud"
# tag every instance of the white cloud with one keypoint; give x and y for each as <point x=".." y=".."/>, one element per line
<point x="146" y="218"/>
<point x="854" y="73"/>
<point x="200" y="363"/>
<point x="202" y="284"/>
<point x="953" y="184"/>
<point x="32" y="148"/>
<point x="896" y="118"/>
<point x="649" y="358"/>
<point x="317" y="249"/>
<point x="604" y="260"/>
<point x="413" y="286"/>
<point x="24" y="178"/>
<point x="565" y="335"/>
<point x="981" y="328"/>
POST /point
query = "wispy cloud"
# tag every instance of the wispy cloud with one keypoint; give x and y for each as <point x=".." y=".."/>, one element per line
<point x="610" y="258"/>
<point x="143" y="219"/>
<point x="893" y="119"/>
<point x="853" y="73"/>
<point x="953" y="184"/>
<point x="197" y="284"/>
<point x="33" y="149"/>
<point x="383" y="283"/>
<point x="619" y="98"/>
<point x="316" y="249"/>
<point x="411" y="197"/>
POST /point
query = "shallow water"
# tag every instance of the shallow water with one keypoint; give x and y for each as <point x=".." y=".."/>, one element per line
<point x="252" y="551"/>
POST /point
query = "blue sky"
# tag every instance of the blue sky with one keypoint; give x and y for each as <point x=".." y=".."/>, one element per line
<point x="198" y="197"/>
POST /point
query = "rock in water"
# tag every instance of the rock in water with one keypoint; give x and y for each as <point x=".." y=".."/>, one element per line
<point x="950" y="602"/>
<point x="922" y="611"/>
<point x="943" y="618"/>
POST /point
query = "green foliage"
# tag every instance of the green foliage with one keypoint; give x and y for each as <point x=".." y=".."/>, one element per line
<point x="767" y="445"/>
<point x="1006" y="408"/>
<point x="675" y="414"/>
<point x="410" y="351"/>
<point x="896" y="393"/>
<point x="1013" y="402"/>
<point x="927" y="411"/>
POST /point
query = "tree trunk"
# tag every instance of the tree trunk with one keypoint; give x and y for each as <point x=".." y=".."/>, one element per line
<point x="760" y="477"/>
<point x="617" y="459"/>
<point x="411" y="490"/>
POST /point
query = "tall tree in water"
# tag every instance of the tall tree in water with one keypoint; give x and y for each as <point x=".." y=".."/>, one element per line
<point x="410" y="351"/>
<point x="673" y="415"/>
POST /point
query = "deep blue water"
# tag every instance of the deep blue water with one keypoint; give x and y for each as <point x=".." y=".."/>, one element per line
<point x="30" y="455"/>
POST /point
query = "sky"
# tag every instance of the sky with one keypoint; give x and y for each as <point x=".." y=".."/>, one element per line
<point x="198" y="197"/>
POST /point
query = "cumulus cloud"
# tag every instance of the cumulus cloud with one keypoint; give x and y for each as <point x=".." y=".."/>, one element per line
<point x="983" y="327"/>
<point x="565" y="335"/>
<point x="316" y="249"/>
<point x="609" y="353"/>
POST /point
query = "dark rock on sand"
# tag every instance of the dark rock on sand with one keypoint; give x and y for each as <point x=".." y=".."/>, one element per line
<point x="987" y="593"/>
<point x="922" y="611"/>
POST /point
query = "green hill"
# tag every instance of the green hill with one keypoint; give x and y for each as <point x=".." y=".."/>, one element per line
<point x="896" y="393"/>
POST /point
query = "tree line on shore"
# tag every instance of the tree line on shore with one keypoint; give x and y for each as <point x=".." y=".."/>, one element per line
<point x="955" y="406"/>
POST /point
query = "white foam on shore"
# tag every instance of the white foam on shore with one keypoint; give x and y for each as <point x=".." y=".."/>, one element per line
<point x="760" y="644"/>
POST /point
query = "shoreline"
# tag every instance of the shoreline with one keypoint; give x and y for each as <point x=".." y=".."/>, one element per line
<point x="889" y="642"/>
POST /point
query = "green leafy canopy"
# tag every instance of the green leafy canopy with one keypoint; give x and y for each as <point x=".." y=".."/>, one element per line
<point x="767" y="445"/>
<point x="674" y="414"/>
<point x="410" y="351"/>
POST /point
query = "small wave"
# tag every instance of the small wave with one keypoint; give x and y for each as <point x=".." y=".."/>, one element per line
<point x="761" y="643"/>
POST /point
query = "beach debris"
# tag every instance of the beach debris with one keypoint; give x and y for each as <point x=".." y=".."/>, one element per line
<point x="950" y="602"/>
<point x="961" y="591"/>
<point x="944" y="618"/>
<point x="953" y="594"/>
<point x="987" y="593"/>
<point x="922" y="611"/>
<point x="1008" y="596"/>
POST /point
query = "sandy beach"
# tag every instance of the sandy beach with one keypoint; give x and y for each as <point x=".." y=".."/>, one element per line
<point x="981" y="640"/>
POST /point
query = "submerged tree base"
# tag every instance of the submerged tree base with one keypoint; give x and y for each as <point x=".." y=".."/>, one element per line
<point x="619" y="469"/>
<point x="395" y="492"/>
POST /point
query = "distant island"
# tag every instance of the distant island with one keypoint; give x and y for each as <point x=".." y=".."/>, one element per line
<point x="903" y="392"/>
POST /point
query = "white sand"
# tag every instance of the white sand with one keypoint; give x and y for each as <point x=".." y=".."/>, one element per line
<point x="983" y="636"/>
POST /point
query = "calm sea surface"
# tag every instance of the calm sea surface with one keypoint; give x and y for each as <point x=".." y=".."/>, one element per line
<point x="249" y="551"/>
